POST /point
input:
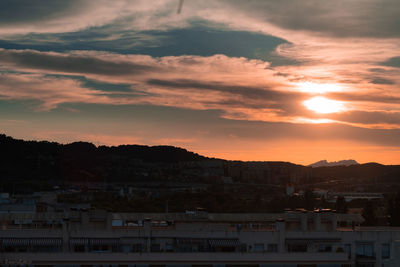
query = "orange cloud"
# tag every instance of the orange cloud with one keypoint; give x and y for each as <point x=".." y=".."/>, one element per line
<point x="242" y="89"/>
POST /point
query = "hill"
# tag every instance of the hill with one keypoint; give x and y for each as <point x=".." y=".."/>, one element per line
<point x="43" y="164"/>
<point x="34" y="165"/>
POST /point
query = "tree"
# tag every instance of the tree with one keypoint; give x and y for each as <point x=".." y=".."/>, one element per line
<point x="341" y="205"/>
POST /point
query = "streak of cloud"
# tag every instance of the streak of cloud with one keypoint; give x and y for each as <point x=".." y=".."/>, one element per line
<point x="242" y="89"/>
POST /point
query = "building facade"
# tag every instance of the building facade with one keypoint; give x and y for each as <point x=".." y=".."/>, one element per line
<point x="198" y="238"/>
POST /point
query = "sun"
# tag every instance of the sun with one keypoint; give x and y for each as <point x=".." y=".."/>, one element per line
<point x="320" y="104"/>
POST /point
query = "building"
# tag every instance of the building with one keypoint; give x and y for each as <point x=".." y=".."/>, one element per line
<point x="291" y="239"/>
<point x="349" y="196"/>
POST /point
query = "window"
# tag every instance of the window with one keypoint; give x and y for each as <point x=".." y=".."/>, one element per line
<point x="324" y="248"/>
<point x="297" y="247"/>
<point x="347" y="249"/>
<point x="385" y="251"/>
<point x="365" y="249"/>
<point x="99" y="248"/>
<point x="185" y="248"/>
<point x="125" y="248"/>
<point x="137" y="248"/>
<point x="155" y="248"/>
<point x="258" y="248"/>
<point x="46" y="249"/>
<point x="272" y="248"/>
<point x="116" y="248"/>
<point x="169" y="247"/>
<point x="79" y="248"/>
<point x="225" y="249"/>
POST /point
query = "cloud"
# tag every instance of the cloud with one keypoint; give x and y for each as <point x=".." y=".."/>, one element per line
<point x="234" y="85"/>
<point x="240" y="88"/>
<point x="57" y="70"/>
<point x="17" y="12"/>
<point x="394" y="62"/>
<point x="314" y="29"/>
<point x="50" y="92"/>
<point x="380" y="80"/>
<point x="340" y="18"/>
<point x="265" y="93"/>
<point x="199" y="38"/>
<point x="24" y="16"/>
<point x="378" y="119"/>
<point x="80" y="63"/>
<point x="53" y="16"/>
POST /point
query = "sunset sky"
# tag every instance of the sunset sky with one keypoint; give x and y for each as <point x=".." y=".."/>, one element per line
<point x="285" y="80"/>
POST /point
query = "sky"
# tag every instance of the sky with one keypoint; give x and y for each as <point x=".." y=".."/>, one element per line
<point x="288" y="80"/>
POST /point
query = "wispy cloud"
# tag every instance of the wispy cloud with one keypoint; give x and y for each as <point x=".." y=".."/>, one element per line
<point x="243" y="89"/>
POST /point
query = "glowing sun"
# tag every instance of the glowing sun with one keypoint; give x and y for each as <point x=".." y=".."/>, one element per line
<point x="323" y="105"/>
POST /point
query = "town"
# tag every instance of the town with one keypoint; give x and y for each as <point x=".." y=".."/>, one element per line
<point x="133" y="204"/>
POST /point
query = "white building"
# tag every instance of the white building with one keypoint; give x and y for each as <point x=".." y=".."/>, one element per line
<point x="293" y="239"/>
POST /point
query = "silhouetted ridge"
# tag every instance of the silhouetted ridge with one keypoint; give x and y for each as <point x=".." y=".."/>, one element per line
<point x="44" y="163"/>
<point x="166" y="154"/>
<point x="34" y="165"/>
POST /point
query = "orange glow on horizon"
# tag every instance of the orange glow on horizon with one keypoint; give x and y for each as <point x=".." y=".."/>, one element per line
<point x="284" y="150"/>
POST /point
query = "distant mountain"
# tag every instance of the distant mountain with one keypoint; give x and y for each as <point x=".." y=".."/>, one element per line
<point x="325" y="163"/>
